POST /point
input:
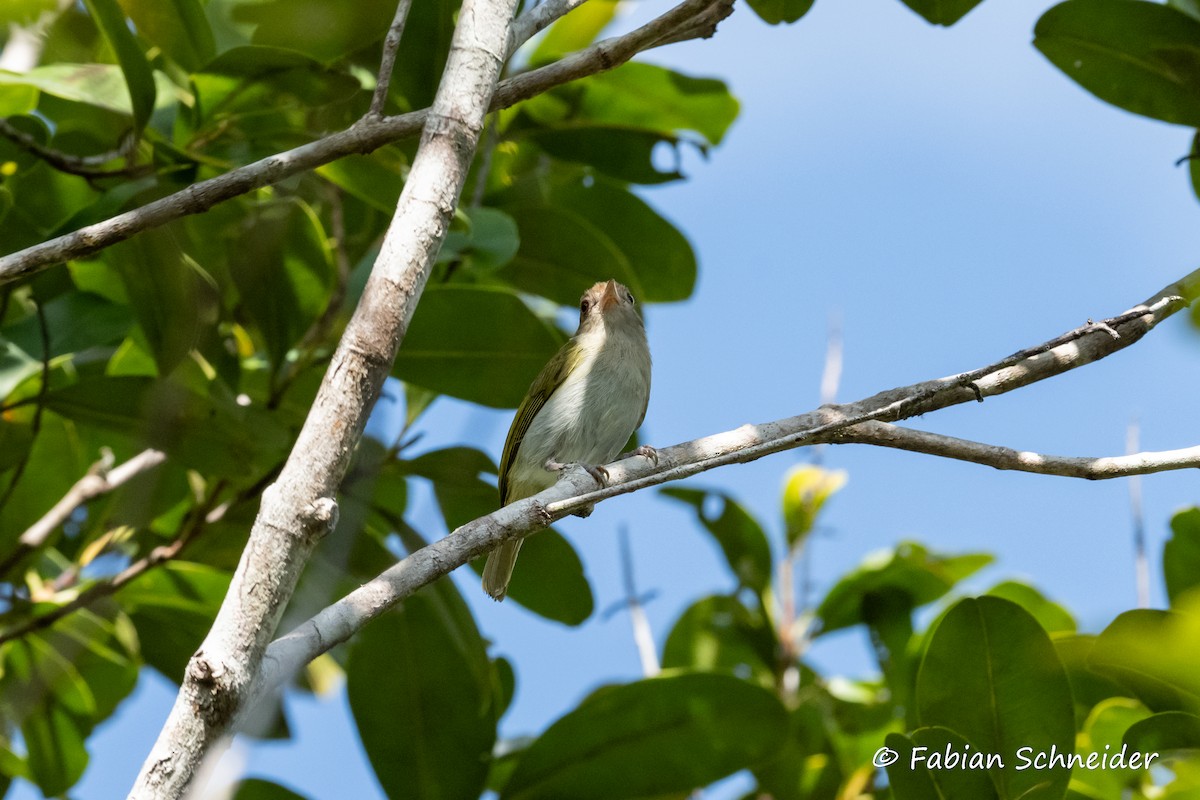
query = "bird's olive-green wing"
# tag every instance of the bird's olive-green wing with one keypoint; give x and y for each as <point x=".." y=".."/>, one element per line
<point x="549" y="379"/>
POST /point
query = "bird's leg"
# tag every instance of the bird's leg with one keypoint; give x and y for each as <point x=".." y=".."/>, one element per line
<point x="645" y="451"/>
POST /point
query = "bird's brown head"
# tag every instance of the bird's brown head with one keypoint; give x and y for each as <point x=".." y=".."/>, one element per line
<point x="605" y="300"/>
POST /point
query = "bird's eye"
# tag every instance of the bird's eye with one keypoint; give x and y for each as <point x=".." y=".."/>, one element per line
<point x="629" y="298"/>
<point x="584" y="305"/>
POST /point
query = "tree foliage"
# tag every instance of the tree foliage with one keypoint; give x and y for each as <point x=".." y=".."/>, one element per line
<point x="205" y="339"/>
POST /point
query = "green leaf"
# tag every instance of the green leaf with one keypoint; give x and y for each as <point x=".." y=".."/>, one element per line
<point x="55" y="743"/>
<point x="910" y="568"/>
<point x="15" y="367"/>
<point x="619" y="152"/>
<point x="173" y="607"/>
<point x="1181" y="554"/>
<point x="719" y="634"/>
<point x="806" y="489"/>
<point x="489" y="242"/>
<point x="991" y="675"/>
<point x="259" y="789"/>
<point x="1143" y="57"/>
<point x="101" y="85"/>
<point x="422" y="54"/>
<point x="283" y="273"/>
<point x="646" y="97"/>
<point x="1050" y="615"/>
<point x="173" y="299"/>
<point x="575" y="30"/>
<point x="179" y="27"/>
<point x="74" y="321"/>
<point x="478" y="343"/>
<point x="1165" y="732"/>
<point x="738" y="533"/>
<point x="1101" y="735"/>
<point x="376" y="178"/>
<point x="774" y="12"/>
<point x="1152" y="654"/>
<point x="139" y="78"/>
<point x="922" y="770"/>
<point x="312" y="27"/>
<point x="942" y="12"/>
<point x="661" y="736"/>
<point x="420" y="688"/>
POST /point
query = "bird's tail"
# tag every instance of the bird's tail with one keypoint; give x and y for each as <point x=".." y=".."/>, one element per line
<point x="498" y="570"/>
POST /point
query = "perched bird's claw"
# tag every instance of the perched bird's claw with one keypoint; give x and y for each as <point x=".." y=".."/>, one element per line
<point x="598" y="473"/>
<point x="646" y="451"/>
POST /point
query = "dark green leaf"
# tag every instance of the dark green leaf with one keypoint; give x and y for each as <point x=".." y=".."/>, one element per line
<point x="1181" y="553"/>
<point x="375" y="178"/>
<point x="1165" y="732"/>
<point x="174" y="300"/>
<point x="259" y="789"/>
<point x="179" y="27"/>
<point x="173" y="607"/>
<point x="422" y="54"/>
<point x="910" y="568"/>
<point x="774" y="12"/>
<point x="1050" y="615"/>
<point x="489" y="242"/>
<point x="478" y="343"/>
<point x="139" y="78"/>
<point x="74" y="321"/>
<point x="621" y="153"/>
<point x="420" y="688"/>
<point x="665" y="735"/>
<point x="941" y="12"/>
<point x="991" y="675"/>
<point x="719" y="634"/>
<point x="15" y="366"/>
<point x="313" y="27"/>
<point x="1143" y="57"/>
<point x="1153" y="654"/>
<point x="737" y="532"/>
<point x="922" y="769"/>
<point x="283" y="272"/>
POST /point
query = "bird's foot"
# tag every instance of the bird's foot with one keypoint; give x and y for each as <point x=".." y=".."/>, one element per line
<point x="645" y="451"/>
<point x="600" y="474"/>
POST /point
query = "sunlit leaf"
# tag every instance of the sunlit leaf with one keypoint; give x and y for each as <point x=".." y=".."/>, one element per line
<point x="994" y="652"/>
<point x="653" y="738"/>
<point x="139" y="78"/>
<point x="421" y="691"/>
<point x="1143" y="57"/>
<point x="1181" y="553"/>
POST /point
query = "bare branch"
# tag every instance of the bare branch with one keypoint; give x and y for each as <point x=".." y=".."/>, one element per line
<point x="1006" y="458"/>
<point x="576" y="489"/>
<point x="300" y="508"/>
<point x="99" y="480"/>
<point x="84" y="166"/>
<point x="391" y="44"/>
<point x="363" y="137"/>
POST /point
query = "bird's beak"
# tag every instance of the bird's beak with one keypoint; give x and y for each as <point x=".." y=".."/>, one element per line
<point x="610" y="297"/>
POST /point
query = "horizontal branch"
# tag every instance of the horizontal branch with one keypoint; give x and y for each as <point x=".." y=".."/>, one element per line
<point x="365" y="136"/>
<point x="577" y="489"/>
<point x="883" y="434"/>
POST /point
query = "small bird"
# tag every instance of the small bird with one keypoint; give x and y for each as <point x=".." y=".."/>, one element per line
<point x="581" y="409"/>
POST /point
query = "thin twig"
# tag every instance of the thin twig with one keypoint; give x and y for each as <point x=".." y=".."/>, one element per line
<point x="201" y="515"/>
<point x="100" y="479"/>
<point x="1006" y="458"/>
<point x="84" y="166"/>
<point x="364" y="136"/>
<point x="1141" y="565"/>
<point x="391" y="44"/>
<point x="643" y="637"/>
<point x="538" y="18"/>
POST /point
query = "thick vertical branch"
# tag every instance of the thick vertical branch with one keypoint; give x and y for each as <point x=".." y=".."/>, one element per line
<point x="299" y="508"/>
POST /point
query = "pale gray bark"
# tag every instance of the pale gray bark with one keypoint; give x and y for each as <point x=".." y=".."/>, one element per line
<point x="299" y="508"/>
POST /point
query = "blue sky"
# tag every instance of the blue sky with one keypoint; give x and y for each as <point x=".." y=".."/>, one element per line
<point x="954" y="198"/>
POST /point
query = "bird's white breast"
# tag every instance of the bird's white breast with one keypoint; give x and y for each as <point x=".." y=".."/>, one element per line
<point x="592" y="414"/>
